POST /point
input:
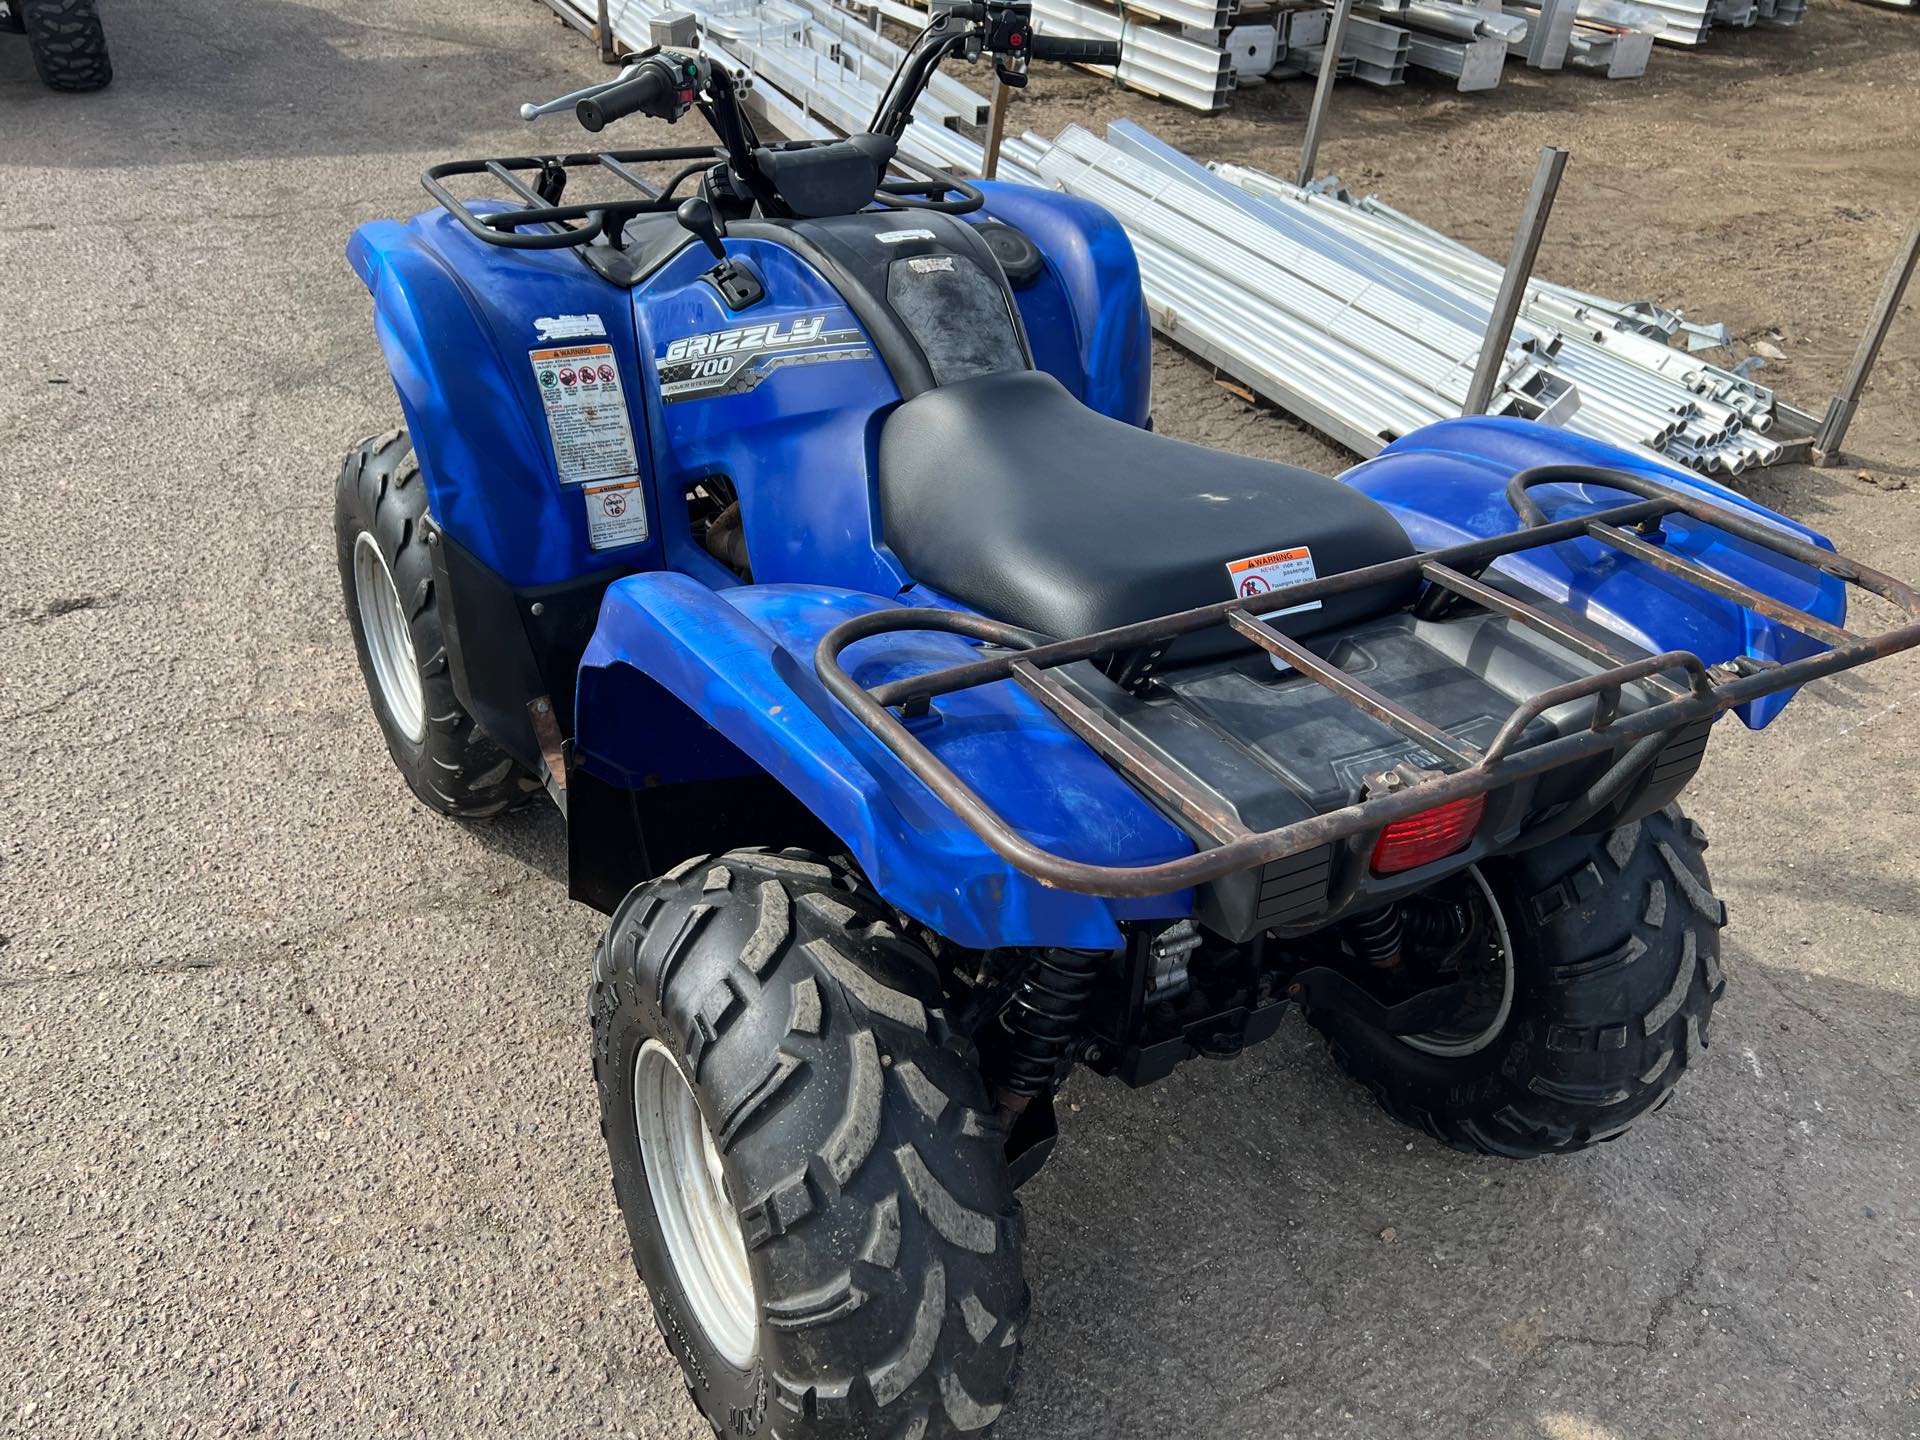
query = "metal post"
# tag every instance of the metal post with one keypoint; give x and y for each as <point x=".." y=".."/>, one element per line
<point x="1513" y="284"/>
<point x="1826" y="444"/>
<point x="996" y="128"/>
<point x="603" y="35"/>
<point x="1323" y="88"/>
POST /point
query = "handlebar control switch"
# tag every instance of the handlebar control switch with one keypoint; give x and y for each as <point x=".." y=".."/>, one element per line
<point x="1010" y="42"/>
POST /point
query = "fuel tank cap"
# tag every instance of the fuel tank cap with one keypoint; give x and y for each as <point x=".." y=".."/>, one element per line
<point x="1017" y="254"/>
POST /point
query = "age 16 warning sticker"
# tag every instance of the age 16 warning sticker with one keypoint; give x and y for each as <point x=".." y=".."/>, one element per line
<point x="586" y="412"/>
<point x="616" y="514"/>
<point x="1263" y="574"/>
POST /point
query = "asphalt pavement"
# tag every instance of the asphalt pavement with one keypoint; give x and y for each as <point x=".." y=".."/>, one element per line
<point x="298" y="1130"/>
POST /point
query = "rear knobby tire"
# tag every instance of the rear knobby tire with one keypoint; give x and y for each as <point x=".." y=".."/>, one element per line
<point x="68" y="43"/>
<point x="1616" y="968"/>
<point x="860" y="1152"/>
<point x="449" y="762"/>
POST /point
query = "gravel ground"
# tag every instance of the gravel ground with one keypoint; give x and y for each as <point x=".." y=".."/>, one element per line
<point x="300" y="1137"/>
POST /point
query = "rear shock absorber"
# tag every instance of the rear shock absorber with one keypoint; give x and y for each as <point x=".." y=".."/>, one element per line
<point x="1376" y="937"/>
<point x="1434" y="924"/>
<point x="1042" y="1020"/>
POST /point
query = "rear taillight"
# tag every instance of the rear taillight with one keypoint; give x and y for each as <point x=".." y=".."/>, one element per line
<point x="1431" y="835"/>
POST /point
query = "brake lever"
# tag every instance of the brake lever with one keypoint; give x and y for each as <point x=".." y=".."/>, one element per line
<point x="531" y="112"/>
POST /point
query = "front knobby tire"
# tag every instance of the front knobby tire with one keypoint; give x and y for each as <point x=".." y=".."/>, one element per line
<point x="68" y="42"/>
<point x="386" y="571"/>
<point x="861" y="1158"/>
<point x="1616" y="968"/>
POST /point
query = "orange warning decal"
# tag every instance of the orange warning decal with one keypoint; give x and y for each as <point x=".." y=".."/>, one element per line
<point x="1261" y="574"/>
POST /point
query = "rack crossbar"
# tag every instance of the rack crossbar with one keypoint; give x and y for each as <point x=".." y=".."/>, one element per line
<point x="1501" y="603"/>
<point x="1712" y="581"/>
<point x="1198" y="804"/>
<point x="1356" y="692"/>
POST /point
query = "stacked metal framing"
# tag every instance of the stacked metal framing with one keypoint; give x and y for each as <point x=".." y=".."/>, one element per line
<point x="810" y="67"/>
<point x="1157" y="59"/>
<point x="1368" y="325"/>
<point x="1196" y="52"/>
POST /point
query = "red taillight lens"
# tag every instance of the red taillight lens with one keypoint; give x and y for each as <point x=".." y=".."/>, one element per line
<point x="1432" y="834"/>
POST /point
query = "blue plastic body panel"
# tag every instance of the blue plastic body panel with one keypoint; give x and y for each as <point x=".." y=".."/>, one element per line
<point x="455" y="317"/>
<point x="742" y="659"/>
<point x="1085" y="317"/>
<point x="1447" y="484"/>
<point x="800" y="446"/>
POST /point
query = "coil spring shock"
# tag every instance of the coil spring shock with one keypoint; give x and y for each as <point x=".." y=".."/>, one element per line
<point x="1376" y="937"/>
<point x="1435" y="924"/>
<point x="1380" y="937"/>
<point x="1043" y="1018"/>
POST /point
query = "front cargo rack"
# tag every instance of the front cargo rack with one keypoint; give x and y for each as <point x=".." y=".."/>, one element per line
<point x="1451" y="575"/>
<point x="542" y="221"/>
<point x="545" y="220"/>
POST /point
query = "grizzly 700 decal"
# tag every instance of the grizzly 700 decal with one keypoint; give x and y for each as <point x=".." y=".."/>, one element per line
<point x="731" y="362"/>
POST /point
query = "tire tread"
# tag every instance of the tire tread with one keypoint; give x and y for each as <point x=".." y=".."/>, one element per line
<point x="890" y="1239"/>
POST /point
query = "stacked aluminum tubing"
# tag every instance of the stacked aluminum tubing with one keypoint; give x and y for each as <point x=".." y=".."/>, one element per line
<point x="1158" y="62"/>
<point x="1455" y="21"/>
<point x="1709" y="418"/>
<point x="809" y="68"/>
<point x="1176" y="64"/>
<point x="1687" y="21"/>
<point x="1357" y="344"/>
<point x="1609" y="36"/>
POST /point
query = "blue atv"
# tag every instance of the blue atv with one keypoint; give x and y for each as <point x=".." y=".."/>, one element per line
<point x="928" y="725"/>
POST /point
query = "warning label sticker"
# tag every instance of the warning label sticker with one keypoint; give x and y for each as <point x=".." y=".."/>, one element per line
<point x="616" y="514"/>
<point x="1275" y="570"/>
<point x="586" y="413"/>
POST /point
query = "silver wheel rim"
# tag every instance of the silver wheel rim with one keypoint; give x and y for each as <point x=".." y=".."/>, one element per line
<point x="689" y="1189"/>
<point x="1442" y="1042"/>
<point x="389" y="639"/>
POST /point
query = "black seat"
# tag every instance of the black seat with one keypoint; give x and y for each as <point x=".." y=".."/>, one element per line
<point x="1009" y="495"/>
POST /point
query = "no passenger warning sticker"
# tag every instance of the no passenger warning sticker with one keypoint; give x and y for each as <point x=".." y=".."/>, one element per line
<point x="586" y="412"/>
<point x="616" y="514"/>
<point x="1262" y="574"/>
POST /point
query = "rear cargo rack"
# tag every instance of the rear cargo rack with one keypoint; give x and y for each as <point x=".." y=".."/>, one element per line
<point x="1689" y="689"/>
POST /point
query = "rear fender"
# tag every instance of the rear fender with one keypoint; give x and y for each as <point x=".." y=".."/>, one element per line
<point x="741" y="661"/>
<point x="1446" y="484"/>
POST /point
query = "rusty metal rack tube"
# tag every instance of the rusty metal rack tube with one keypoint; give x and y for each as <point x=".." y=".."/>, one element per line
<point x="1026" y="660"/>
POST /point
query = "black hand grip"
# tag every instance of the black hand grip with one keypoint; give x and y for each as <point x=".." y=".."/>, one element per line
<point x="644" y="91"/>
<point x="1070" y="51"/>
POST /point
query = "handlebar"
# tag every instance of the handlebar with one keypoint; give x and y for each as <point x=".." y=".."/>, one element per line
<point x="644" y="91"/>
<point x="1068" y="50"/>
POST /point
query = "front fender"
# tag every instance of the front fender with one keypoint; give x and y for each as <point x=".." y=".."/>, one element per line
<point x="741" y="660"/>
<point x="1447" y="484"/>
<point x="457" y="320"/>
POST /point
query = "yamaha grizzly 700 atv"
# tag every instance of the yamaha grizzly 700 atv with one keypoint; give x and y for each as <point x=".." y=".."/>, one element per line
<point x="928" y="725"/>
